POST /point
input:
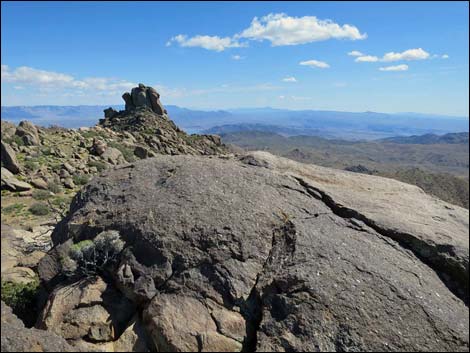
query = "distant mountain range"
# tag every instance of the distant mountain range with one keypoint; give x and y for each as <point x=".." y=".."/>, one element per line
<point x="329" y="124"/>
<point x="428" y="139"/>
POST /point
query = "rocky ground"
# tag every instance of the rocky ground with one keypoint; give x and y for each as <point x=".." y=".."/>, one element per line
<point x="196" y="249"/>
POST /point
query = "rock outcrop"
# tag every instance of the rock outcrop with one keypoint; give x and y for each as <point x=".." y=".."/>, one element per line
<point x="267" y="254"/>
<point x="143" y="96"/>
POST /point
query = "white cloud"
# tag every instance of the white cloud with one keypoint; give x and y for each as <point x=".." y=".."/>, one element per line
<point x="410" y="54"/>
<point x="445" y="56"/>
<point x="315" y="63"/>
<point x="355" y="53"/>
<point x="29" y="75"/>
<point x="367" y="58"/>
<point x="281" y="29"/>
<point x="50" y="80"/>
<point x="289" y="79"/>
<point x="282" y="97"/>
<point x="237" y="57"/>
<point x="214" y="43"/>
<point x="403" y="67"/>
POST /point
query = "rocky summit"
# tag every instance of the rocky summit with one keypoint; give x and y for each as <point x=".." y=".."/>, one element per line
<point x="185" y="247"/>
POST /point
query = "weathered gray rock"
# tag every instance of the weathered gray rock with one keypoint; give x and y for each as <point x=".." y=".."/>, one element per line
<point x="143" y="96"/>
<point x="9" y="160"/>
<point x="311" y="258"/>
<point x="113" y="155"/>
<point x="156" y="106"/>
<point x="17" y="338"/>
<point x="28" y="132"/>
<point x="128" y="100"/>
<point x="39" y="183"/>
<point x="87" y="309"/>
<point x="109" y="112"/>
<point x="10" y="182"/>
<point x="98" y="147"/>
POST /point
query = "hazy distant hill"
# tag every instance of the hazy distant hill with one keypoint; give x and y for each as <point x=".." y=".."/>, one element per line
<point x="440" y="169"/>
<point x="461" y="137"/>
<point x="330" y="124"/>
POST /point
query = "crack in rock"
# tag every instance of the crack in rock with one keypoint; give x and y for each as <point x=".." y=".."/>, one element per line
<point x="440" y="258"/>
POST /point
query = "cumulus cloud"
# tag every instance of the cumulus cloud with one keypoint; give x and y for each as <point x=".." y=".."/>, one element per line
<point x="367" y="58"/>
<point x="410" y="54"/>
<point x="281" y="29"/>
<point x="445" y="56"/>
<point x="46" y="80"/>
<point x="289" y="79"/>
<point x="355" y="53"/>
<point x="403" y="67"/>
<point x="315" y="63"/>
<point x="214" y="43"/>
<point x="29" y="75"/>
<point x="237" y="57"/>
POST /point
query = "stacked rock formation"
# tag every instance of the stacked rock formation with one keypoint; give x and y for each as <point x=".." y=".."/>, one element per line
<point x="143" y="96"/>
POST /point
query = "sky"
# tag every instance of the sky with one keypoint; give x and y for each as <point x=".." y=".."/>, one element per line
<point x="348" y="56"/>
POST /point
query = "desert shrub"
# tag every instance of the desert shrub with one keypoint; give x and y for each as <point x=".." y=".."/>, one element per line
<point x="16" y="207"/>
<point x="21" y="298"/>
<point x="80" y="179"/>
<point x="98" y="165"/>
<point x="16" y="139"/>
<point x="39" y="209"/>
<point x="31" y="165"/>
<point x="41" y="194"/>
<point x="54" y="187"/>
<point x="93" y="256"/>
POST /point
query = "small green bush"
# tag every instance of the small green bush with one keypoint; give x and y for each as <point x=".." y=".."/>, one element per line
<point x="80" y="179"/>
<point x="16" y="139"/>
<point x="94" y="256"/>
<point x="98" y="165"/>
<point x="22" y="298"/>
<point x="39" y="209"/>
<point x="41" y="194"/>
<point x="31" y="165"/>
<point x="16" y="207"/>
<point x="54" y="187"/>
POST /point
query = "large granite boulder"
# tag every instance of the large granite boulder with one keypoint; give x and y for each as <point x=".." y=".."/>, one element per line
<point x="28" y="132"/>
<point x="268" y="254"/>
<point x="9" y="158"/>
<point x="10" y="182"/>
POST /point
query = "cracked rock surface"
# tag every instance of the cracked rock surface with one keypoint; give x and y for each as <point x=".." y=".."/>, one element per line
<point x="268" y="254"/>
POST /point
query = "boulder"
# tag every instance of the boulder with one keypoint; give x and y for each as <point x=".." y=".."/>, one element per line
<point x="98" y="147"/>
<point x="22" y="275"/>
<point x="268" y="254"/>
<point x="128" y="101"/>
<point x="154" y="97"/>
<point x="9" y="181"/>
<point x="7" y="129"/>
<point x="39" y="183"/>
<point x="17" y="338"/>
<point x="109" y="112"/>
<point x="113" y="155"/>
<point x="28" y="132"/>
<point x="139" y="96"/>
<point x="88" y="309"/>
<point x="9" y="160"/>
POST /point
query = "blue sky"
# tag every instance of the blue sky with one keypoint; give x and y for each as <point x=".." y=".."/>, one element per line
<point x="352" y="56"/>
